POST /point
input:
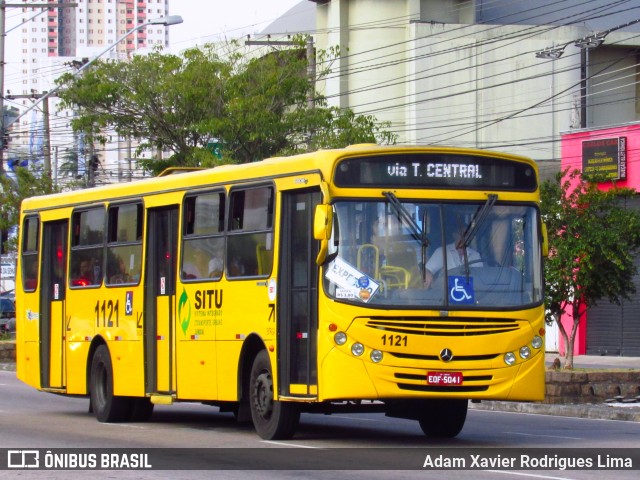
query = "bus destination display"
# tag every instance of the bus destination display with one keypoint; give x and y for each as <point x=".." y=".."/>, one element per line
<point x="435" y="171"/>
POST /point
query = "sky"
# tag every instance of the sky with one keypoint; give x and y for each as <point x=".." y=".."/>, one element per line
<point x="212" y="20"/>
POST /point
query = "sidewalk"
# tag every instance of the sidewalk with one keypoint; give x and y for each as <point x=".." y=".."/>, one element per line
<point x="594" y="361"/>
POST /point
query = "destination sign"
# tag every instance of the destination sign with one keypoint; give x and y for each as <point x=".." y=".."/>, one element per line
<point x="432" y="170"/>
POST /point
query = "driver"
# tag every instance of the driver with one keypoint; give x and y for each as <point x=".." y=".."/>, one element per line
<point x="455" y="258"/>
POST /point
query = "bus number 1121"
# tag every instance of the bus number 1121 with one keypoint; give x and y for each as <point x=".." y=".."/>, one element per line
<point x="394" y="340"/>
<point x="108" y="310"/>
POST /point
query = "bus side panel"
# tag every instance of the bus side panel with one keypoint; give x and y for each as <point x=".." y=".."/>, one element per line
<point x="228" y="360"/>
<point x="128" y="368"/>
<point x="196" y="369"/>
<point x="28" y="354"/>
<point x="27" y="336"/>
<point x="77" y="355"/>
<point x="57" y="346"/>
<point x="195" y="334"/>
<point x="125" y="339"/>
<point x="245" y="310"/>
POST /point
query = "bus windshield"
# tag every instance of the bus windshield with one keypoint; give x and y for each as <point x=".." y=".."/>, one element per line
<point x="392" y="253"/>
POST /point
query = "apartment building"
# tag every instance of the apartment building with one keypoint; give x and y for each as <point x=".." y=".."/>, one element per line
<point x="59" y="39"/>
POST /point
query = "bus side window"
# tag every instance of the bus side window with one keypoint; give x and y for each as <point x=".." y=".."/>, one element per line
<point x="124" y="244"/>
<point x="250" y="239"/>
<point x="87" y="247"/>
<point x="29" y="252"/>
<point x="203" y="236"/>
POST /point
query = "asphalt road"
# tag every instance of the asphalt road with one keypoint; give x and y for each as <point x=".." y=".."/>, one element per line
<point x="198" y="436"/>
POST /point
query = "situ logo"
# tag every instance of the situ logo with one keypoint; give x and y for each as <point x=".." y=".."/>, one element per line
<point x="23" y="459"/>
<point x="184" y="311"/>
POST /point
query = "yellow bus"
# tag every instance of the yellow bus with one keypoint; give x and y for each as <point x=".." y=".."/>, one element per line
<point x="403" y="280"/>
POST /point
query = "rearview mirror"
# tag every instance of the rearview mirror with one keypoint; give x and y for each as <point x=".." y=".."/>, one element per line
<point x="322" y="227"/>
<point x="545" y="241"/>
<point x="323" y="222"/>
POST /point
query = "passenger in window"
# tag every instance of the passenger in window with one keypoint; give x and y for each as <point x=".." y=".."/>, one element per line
<point x="121" y="275"/>
<point x="200" y="264"/>
<point x="88" y="273"/>
<point x="216" y="264"/>
<point x="455" y="257"/>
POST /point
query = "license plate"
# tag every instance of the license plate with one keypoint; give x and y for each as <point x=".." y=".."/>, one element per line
<point x="444" y="378"/>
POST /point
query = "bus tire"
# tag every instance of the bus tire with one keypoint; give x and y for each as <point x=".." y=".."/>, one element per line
<point x="273" y="420"/>
<point x="106" y="406"/>
<point x="443" y="418"/>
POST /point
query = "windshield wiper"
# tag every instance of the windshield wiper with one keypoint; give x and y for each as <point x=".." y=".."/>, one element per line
<point x="419" y="234"/>
<point x="472" y="228"/>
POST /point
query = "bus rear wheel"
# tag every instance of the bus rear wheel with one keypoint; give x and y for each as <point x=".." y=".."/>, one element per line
<point x="105" y="405"/>
<point x="443" y="418"/>
<point x="273" y="420"/>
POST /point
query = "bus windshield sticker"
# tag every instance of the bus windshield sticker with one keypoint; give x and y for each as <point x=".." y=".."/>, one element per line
<point x="351" y="282"/>
<point x="461" y="290"/>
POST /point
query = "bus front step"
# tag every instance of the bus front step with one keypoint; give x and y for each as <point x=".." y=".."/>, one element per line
<point x="162" y="399"/>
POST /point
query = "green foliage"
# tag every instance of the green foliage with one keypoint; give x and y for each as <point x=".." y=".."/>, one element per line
<point x="28" y="184"/>
<point x="254" y="107"/>
<point x="593" y="239"/>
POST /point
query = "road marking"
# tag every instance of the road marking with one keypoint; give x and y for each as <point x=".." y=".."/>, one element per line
<point x="287" y="444"/>
<point x="533" y="475"/>
<point x="545" y="436"/>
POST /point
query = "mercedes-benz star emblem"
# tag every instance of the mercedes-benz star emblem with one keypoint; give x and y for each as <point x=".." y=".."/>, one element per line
<point x="446" y="355"/>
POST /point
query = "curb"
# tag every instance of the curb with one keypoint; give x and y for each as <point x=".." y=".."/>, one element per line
<point x="10" y="367"/>
<point x="608" y="411"/>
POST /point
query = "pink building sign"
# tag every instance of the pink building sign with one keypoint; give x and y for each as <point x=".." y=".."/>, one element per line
<point x="614" y="152"/>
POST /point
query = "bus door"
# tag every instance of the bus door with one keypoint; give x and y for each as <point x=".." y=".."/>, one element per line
<point x="159" y="311"/>
<point x="52" y="304"/>
<point x="298" y="296"/>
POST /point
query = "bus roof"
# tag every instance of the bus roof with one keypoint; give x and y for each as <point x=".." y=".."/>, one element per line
<point x="321" y="161"/>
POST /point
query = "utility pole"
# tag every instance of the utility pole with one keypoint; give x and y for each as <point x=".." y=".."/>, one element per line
<point x="46" y="143"/>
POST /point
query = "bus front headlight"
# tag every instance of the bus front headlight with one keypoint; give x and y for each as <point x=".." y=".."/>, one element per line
<point x="357" y="349"/>
<point x="376" y="356"/>
<point x="536" y="342"/>
<point x="509" y="358"/>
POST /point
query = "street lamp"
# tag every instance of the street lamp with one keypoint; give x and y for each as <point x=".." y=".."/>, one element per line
<point x="552" y="52"/>
<point x="592" y="41"/>
<point x="166" y="21"/>
<point x="585" y="43"/>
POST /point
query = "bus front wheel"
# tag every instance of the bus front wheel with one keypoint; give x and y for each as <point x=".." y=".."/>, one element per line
<point x="273" y="420"/>
<point x="443" y="418"/>
<point x="105" y="405"/>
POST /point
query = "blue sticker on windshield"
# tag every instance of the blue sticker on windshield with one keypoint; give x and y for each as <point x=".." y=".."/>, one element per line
<point x="461" y="290"/>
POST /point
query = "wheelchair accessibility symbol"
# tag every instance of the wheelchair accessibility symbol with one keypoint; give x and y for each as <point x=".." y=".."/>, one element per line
<point x="461" y="290"/>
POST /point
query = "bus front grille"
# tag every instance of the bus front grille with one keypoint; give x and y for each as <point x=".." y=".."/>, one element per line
<point x="458" y="358"/>
<point x="443" y="326"/>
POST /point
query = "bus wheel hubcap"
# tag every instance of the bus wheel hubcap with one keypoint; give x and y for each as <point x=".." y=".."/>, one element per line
<point x="263" y="399"/>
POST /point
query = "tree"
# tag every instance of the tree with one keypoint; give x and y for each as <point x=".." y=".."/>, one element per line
<point x="27" y="184"/>
<point x="69" y="166"/>
<point x="253" y="108"/>
<point x="593" y="238"/>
